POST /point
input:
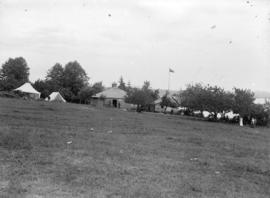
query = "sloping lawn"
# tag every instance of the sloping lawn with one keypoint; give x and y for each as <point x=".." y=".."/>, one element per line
<point x="50" y="150"/>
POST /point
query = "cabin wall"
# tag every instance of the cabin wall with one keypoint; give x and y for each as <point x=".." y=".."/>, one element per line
<point x="110" y="102"/>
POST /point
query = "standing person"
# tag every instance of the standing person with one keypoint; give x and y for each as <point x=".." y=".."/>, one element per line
<point x="253" y="122"/>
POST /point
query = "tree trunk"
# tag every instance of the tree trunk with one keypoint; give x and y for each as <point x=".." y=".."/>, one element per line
<point x="215" y="116"/>
<point x="241" y="121"/>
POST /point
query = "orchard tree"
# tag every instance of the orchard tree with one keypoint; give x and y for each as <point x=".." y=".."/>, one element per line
<point x="193" y="97"/>
<point x="261" y="114"/>
<point x="217" y="100"/>
<point x="150" y="94"/>
<point x="243" y="102"/>
<point x="13" y="73"/>
<point x="209" y="98"/>
<point x="136" y="96"/>
<point x="141" y="97"/>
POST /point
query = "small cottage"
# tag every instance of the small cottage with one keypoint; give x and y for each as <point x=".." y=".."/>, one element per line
<point x="111" y="97"/>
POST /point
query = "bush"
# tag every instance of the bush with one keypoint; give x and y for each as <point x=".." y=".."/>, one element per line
<point x="9" y="94"/>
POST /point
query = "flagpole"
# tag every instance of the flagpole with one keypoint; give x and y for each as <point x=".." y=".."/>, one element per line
<point x="169" y="76"/>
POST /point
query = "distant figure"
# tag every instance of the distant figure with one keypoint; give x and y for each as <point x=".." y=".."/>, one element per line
<point x="253" y="122"/>
<point x="119" y="105"/>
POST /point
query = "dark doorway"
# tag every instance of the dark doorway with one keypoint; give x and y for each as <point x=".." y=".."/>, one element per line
<point x="114" y="103"/>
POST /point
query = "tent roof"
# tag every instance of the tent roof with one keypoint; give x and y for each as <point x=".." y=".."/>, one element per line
<point x="157" y="101"/>
<point x="112" y="92"/>
<point x="56" y="96"/>
<point x="171" y="98"/>
<point x="27" y="88"/>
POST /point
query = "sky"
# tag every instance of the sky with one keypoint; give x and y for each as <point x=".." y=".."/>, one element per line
<point x="216" y="42"/>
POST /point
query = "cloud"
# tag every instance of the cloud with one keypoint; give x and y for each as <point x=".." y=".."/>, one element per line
<point x="141" y="37"/>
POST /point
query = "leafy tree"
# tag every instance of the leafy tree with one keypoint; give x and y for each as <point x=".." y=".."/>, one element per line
<point x="97" y="87"/>
<point x="193" y="97"/>
<point x="55" y="77"/>
<point x="154" y="94"/>
<point x="141" y="97"/>
<point x="14" y="73"/>
<point x="71" y="81"/>
<point x="136" y="96"/>
<point x="67" y="94"/>
<point x="261" y="114"/>
<point x="243" y="101"/>
<point x="122" y="84"/>
<point x="146" y="86"/>
<point x="43" y="87"/>
<point x="85" y="94"/>
<point x="8" y="84"/>
<point x="209" y="98"/>
<point x="217" y="99"/>
<point x="75" y="77"/>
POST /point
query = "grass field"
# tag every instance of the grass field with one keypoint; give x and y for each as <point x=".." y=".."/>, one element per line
<point x="48" y="150"/>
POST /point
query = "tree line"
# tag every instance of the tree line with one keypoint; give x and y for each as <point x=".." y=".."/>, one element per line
<point x="70" y="80"/>
<point x="216" y="100"/>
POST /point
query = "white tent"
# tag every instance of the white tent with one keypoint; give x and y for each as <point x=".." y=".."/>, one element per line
<point x="56" y="97"/>
<point x="28" y="89"/>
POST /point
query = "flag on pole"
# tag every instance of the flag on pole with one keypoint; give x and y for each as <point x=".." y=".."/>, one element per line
<point x="170" y="70"/>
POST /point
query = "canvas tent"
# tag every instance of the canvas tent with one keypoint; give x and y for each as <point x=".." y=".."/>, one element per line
<point x="56" y="97"/>
<point x="27" y="89"/>
<point x="157" y="103"/>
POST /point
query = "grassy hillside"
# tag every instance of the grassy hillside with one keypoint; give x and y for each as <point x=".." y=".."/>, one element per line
<point x="48" y="150"/>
